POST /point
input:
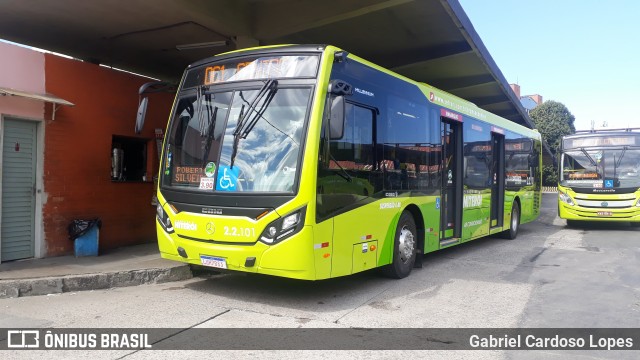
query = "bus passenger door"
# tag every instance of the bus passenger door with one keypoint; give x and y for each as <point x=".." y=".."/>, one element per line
<point x="497" y="187"/>
<point x="451" y="207"/>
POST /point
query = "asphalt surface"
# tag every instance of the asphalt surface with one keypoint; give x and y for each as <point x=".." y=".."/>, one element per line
<point x="550" y="276"/>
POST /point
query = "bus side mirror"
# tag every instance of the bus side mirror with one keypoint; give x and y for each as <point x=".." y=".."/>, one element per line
<point x="336" y="120"/>
<point x="142" y="111"/>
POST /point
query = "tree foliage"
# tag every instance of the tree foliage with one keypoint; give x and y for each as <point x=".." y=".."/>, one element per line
<point x="554" y="121"/>
<point x="549" y="175"/>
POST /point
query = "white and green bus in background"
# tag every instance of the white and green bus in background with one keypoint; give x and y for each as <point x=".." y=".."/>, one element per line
<point x="600" y="176"/>
<point x="309" y="162"/>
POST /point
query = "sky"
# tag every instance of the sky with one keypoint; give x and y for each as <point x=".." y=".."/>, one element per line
<point x="582" y="53"/>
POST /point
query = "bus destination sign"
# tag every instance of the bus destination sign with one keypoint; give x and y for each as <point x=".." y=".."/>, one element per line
<point x="587" y="141"/>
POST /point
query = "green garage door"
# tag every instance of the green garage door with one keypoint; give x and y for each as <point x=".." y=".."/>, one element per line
<point x="18" y="184"/>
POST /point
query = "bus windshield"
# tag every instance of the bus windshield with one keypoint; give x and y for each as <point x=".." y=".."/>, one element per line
<point x="236" y="141"/>
<point x="601" y="168"/>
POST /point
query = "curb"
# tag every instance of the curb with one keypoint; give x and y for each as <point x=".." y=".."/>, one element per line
<point x="69" y="283"/>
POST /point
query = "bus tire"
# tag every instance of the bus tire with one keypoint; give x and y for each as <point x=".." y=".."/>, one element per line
<point x="514" y="225"/>
<point x="404" y="248"/>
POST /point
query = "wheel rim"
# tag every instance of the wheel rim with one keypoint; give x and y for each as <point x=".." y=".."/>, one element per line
<point x="514" y="220"/>
<point x="406" y="244"/>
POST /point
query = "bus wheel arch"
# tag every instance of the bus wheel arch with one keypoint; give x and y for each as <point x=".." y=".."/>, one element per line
<point x="514" y="222"/>
<point x="406" y="243"/>
<point x="419" y="221"/>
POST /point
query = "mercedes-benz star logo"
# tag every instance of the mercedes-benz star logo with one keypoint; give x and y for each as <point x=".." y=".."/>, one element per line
<point x="210" y="228"/>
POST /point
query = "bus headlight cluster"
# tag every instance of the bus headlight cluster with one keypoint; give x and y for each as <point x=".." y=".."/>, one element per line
<point x="566" y="198"/>
<point x="283" y="227"/>
<point x="638" y="203"/>
<point x="163" y="219"/>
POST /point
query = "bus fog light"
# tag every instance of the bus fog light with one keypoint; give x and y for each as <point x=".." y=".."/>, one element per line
<point x="272" y="231"/>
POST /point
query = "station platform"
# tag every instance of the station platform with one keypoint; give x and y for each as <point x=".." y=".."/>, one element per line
<point x="126" y="266"/>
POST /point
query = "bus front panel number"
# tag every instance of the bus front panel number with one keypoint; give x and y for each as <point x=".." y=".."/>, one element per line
<point x="239" y="231"/>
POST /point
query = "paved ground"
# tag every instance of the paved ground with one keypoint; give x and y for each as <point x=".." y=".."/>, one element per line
<point x="550" y="276"/>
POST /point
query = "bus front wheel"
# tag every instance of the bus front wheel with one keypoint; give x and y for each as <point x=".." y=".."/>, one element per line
<point x="404" y="248"/>
<point x="512" y="233"/>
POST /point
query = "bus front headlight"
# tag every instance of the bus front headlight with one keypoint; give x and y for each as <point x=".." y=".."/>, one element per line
<point x="283" y="227"/>
<point x="163" y="219"/>
<point x="638" y="203"/>
<point x="565" y="198"/>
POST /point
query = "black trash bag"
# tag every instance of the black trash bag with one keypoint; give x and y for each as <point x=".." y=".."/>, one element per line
<point x="78" y="228"/>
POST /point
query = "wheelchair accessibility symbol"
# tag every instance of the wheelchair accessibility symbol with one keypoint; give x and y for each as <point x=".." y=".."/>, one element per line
<point x="608" y="184"/>
<point x="227" y="178"/>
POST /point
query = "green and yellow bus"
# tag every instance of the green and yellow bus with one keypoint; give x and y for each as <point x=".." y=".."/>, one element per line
<point x="309" y="162"/>
<point x="600" y="176"/>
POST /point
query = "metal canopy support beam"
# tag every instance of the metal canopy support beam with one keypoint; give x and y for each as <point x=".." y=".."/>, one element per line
<point x="408" y="58"/>
<point x="459" y="83"/>
<point x="489" y="100"/>
<point x="269" y="29"/>
<point x="243" y="42"/>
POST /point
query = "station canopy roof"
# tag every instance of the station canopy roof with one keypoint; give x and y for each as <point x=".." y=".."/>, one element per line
<point x="431" y="41"/>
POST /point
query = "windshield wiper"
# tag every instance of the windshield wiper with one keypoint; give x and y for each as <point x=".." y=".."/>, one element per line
<point x="593" y="162"/>
<point x="200" y="106"/>
<point x="616" y="163"/>
<point x="256" y="109"/>
<point x="203" y="102"/>
<point x="207" y="146"/>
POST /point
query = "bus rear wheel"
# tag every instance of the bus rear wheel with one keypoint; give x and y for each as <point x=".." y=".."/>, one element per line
<point x="512" y="233"/>
<point x="404" y="248"/>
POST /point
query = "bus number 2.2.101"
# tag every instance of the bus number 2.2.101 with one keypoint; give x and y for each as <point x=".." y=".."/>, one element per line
<point x="239" y="231"/>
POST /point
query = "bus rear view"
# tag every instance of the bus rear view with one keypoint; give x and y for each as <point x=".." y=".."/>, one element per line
<point x="600" y="176"/>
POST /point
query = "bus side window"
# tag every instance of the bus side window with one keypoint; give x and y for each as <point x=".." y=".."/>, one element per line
<point x="345" y="174"/>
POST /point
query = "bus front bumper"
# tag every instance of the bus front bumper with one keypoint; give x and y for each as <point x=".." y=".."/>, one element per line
<point x="576" y="212"/>
<point x="291" y="258"/>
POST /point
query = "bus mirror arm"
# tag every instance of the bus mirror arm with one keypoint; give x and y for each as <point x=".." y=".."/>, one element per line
<point x="336" y="118"/>
<point x="149" y="88"/>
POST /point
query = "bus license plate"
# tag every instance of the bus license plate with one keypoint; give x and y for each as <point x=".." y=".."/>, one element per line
<point x="605" y="213"/>
<point x="212" y="261"/>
